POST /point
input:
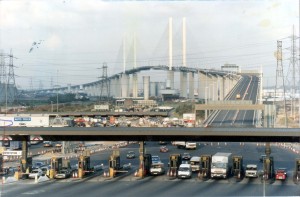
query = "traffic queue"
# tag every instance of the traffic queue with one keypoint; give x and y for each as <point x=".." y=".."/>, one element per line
<point x="221" y="165"/>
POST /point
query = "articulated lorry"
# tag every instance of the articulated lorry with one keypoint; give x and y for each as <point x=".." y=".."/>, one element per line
<point x="185" y="145"/>
<point x="221" y="164"/>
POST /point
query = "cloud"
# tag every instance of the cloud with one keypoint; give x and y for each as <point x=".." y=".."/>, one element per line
<point x="53" y="42"/>
<point x="265" y="23"/>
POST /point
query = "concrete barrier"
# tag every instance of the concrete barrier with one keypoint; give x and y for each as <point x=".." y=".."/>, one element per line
<point x="42" y="179"/>
<point x="9" y="180"/>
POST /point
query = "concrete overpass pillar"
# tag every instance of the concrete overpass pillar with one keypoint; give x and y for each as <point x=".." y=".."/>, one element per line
<point x="134" y="85"/>
<point x="146" y="82"/>
<point x="215" y="88"/>
<point x="191" y="85"/>
<point x="202" y="86"/>
<point x="112" y="87"/>
<point x="124" y="85"/>
<point x="170" y="79"/>
<point x="227" y="86"/>
<point x="221" y="88"/>
<point x="210" y="85"/>
<point x="183" y="84"/>
<point x="116" y="87"/>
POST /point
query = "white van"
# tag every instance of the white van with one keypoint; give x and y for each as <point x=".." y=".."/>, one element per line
<point x="195" y="163"/>
<point x="184" y="171"/>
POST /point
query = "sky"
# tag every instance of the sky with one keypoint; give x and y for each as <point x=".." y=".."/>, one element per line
<point x="73" y="38"/>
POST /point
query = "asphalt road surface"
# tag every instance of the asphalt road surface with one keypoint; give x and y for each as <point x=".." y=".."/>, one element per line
<point x="125" y="184"/>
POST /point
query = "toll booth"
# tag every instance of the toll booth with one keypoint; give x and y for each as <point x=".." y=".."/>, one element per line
<point x="174" y="163"/>
<point x="268" y="168"/>
<point x="237" y="167"/>
<point x="147" y="163"/>
<point x="296" y="177"/>
<point x="84" y="166"/>
<point x="205" y="166"/>
<point x="55" y="166"/>
<point x="26" y="165"/>
<point x="114" y="163"/>
<point x="24" y="168"/>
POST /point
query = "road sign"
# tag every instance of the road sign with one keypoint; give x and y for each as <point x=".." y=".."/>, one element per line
<point x="5" y="138"/>
<point x="36" y="138"/>
<point x="12" y="153"/>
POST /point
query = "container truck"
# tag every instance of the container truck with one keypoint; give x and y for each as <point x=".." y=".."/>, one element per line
<point x="221" y="164"/>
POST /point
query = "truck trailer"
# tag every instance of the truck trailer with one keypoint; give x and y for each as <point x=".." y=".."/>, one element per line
<point x="221" y="165"/>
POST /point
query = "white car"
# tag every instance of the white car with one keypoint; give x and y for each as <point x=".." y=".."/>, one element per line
<point x="191" y="145"/>
<point x="185" y="171"/>
<point x="251" y="170"/>
<point x="157" y="169"/>
<point x="63" y="174"/>
<point x="35" y="172"/>
<point x="195" y="163"/>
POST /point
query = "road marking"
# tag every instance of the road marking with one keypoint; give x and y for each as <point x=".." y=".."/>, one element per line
<point x="34" y="192"/>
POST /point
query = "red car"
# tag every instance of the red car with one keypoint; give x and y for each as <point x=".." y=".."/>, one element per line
<point x="280" y="174"/>
<point x="163" y="149"/>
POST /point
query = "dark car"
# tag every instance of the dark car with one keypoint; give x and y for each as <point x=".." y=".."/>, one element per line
<point x="186" y="156"/>
<point x="130" y="155"/>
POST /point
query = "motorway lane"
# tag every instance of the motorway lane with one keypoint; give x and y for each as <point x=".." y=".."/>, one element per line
<point x="247" y="88"/>
<point x="128" y="185"/>
<point x="246" y="118"/>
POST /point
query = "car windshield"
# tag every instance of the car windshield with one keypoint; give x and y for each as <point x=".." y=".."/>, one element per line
<point x="218" y="165"/>
<point x="130" y="152"/>
<point x="35" y="171"/>
<point x="251" y="168"/>
<point x="184" y="169"/>
<point x="281" y="171"/>
<point x="155" y="159"/>
<point x="156" y="166"/>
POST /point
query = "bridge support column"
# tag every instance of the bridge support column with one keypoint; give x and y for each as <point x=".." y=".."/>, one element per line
<point x="118" y="87"/>
<point x="183" y="84"/>
<point x="221" y="88"/>
<point x="113" y="87"/>
<point x="124" y="85"/>
<point x="134" y="85"/>
<point x="227" y="85"/>
<point x="146" y="83"/>
<point x="210" y="84"/>
<point x="191" y="85"/>
<point x="202" y="86"/>
<point x="170" y="80"/>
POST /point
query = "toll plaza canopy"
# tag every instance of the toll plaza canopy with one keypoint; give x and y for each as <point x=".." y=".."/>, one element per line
<point x="212" y="134"/>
